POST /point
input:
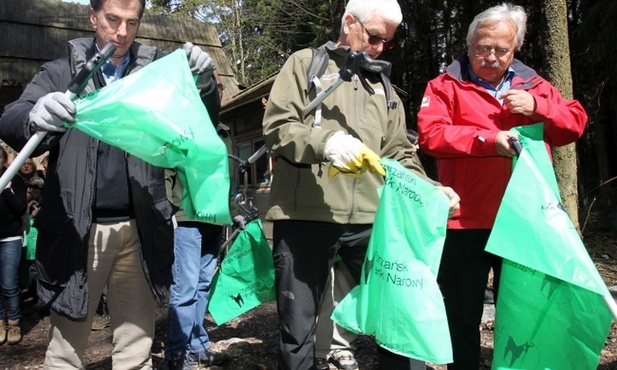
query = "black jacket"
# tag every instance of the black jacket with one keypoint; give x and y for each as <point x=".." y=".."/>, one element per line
<point x="12" y="207"/>
<point x="66" y="213"/>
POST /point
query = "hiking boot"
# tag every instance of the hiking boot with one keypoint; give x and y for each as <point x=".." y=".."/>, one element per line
<point x="13" y="335"/>
<point x="321" y="364"/>
<point x="343" y="360"/>
<point x="2" y="332"/>
<point x="209" y="358"/>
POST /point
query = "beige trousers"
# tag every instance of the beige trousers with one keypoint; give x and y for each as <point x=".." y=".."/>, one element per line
<point x="114" y="260"/>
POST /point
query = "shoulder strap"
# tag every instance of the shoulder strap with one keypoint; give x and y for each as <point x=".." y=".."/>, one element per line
<point x="317" y="67"/>
<point x="387" y="86"/>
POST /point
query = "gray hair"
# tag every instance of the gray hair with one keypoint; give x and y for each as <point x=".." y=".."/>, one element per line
<point x="505" y="12"/>
<point x="390" y="10"/>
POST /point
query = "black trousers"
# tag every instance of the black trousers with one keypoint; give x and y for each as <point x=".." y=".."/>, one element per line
<point x="463" y="275"/>
<point x="303" y="255"/>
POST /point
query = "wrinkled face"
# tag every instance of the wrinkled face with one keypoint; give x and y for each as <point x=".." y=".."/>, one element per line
<point x="372" y="36"/>
<point x="492" y="51"/>
<point x="117" y="22"/>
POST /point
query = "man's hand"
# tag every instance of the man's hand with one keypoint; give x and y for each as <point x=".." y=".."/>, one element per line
<point x="519" y="102"/>
<point x="502" y="143"/>
<point x="350" y="156"/>
<point x="454" y="200"/>
<point x="199" y="61"/>
<point x="50" y="111"/>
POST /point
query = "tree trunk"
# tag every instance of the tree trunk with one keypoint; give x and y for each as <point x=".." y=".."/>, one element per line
<point x="559" y="73"/>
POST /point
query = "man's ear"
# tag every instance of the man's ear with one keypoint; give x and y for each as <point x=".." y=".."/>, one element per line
<point x="347" y="22"/>
<point x="93" y="19"/>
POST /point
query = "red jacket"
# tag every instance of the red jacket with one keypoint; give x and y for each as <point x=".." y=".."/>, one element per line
<point x="458" y="122"/>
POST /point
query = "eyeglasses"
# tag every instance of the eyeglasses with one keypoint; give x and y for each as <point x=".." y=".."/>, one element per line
<point x="376" y="39"/>
<point x="484" y="51"/>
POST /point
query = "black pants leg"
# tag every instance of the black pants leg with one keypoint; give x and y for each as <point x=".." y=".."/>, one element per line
<point x="303" y="254"/>
<point x="463" y="275"/>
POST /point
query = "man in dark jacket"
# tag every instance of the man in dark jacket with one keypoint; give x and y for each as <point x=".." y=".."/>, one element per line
<point x="105" y="219"/>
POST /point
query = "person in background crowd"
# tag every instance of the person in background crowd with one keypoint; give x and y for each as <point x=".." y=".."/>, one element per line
<point x="28" y="170"/>
<point x="196" y="249"/>
<point x="464" y="122"/>
<point x="33" y="199"/>
<point x="12" y="209"/>
<point x="105" y="219"/>
<point x="316" y="216"/>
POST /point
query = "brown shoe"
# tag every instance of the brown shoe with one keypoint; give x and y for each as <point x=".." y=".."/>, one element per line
<point x="13" y="335"/>
<point x="2" y="332"/>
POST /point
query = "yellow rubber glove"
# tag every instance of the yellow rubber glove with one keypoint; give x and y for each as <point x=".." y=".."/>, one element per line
<point x="350" y="156"/>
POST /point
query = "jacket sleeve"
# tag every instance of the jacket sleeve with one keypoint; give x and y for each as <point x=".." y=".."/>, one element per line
<point x="285" y="131"/>
<point x="210" y="98"/>
<point x="15" y="197"/>
<point x="397" y="146"/>
<point x="14" y="128"/>
<point x="564" y="119"/>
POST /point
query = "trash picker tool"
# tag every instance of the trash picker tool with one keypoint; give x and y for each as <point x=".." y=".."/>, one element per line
<point x="76" y="86"/>
<point x="243" y="202"/>
<point x="354" y="64"/>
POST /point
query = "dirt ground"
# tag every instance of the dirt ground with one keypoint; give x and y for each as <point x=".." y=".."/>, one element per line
<point x="250" y="340"/>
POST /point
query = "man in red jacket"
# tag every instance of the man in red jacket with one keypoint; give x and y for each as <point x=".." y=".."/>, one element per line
<point x="464" y="122"/>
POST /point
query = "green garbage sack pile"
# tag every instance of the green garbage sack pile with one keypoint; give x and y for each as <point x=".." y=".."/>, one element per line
<point x="398" y="300"/>
<point x="550" y="312"/>
<point x="157" y="115"/>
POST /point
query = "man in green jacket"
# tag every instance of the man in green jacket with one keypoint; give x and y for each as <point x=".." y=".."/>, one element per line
<point x="316" y="216"/>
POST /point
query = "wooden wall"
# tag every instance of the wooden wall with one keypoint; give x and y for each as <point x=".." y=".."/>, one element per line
<point x="35" y="31"/>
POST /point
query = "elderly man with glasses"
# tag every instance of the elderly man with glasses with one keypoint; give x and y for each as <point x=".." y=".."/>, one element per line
<point x="317" y="216"/>
<point x="464" y="122"/>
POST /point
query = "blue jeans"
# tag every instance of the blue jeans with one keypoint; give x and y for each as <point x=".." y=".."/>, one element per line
<point x="10" y="299"/>
<point x="196" y="247"/>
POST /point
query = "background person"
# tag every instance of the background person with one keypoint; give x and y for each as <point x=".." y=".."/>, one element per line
<point x="103" y="210"/>
<point x="12" y="209"/>
<point x="28" y="170"/>
<point x="316" y="216"/>
<point x="196" y="250"/>
<point x="464" y="123"/>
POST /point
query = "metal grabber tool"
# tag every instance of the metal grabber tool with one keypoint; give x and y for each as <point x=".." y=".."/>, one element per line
<point x="355" y="63"/>
<point x="76" y="86"/>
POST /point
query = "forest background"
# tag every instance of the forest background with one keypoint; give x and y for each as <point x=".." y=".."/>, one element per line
<point x="569" y="42"/>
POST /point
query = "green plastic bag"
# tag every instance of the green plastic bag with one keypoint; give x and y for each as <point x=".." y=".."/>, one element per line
<point x="157" y="115"/>
<point x="245" y="278"/>
<point x="550" y="312"/>
<point x="398" y="300"/>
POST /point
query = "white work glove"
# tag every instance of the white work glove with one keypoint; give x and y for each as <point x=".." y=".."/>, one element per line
<point x="350" y="156"/>
<point x="239" y="222"/>
<point x="50" y="111"/>
<point x="199" y="61"/>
